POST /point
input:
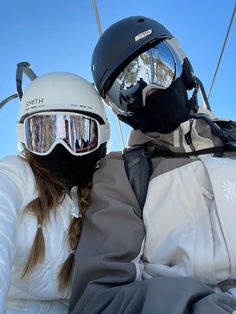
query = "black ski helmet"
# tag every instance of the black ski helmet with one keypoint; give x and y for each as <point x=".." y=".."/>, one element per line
<point x="118" y="46"/>
<point x="121" y="43"/>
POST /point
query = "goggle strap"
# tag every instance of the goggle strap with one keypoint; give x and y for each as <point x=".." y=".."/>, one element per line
<point x="103" y="133"/>
<point x="20" y="132"/>
<point x="173" y="42"/>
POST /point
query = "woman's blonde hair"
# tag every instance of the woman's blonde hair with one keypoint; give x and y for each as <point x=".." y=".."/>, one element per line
<point x="51" y="193"/>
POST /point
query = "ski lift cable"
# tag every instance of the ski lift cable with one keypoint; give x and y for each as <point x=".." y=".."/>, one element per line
<point x="121" y="132"/>
<point x="100" y="33"/>
<point x="97" y="17"/>
<point x="222" y="51"/>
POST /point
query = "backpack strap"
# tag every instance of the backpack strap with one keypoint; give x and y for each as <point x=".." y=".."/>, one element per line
<point x="226" y="130"/>
<point x="162" y="151"/>
<point x="138" y="167"/>
<point x="229" y="130"/>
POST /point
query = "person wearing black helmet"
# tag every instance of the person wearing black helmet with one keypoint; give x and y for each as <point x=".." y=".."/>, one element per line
<point x="142" y="69"/>
<point x="176" y="253"/>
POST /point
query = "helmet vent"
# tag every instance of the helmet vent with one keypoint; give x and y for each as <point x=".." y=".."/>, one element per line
<point x="140" y="20"/>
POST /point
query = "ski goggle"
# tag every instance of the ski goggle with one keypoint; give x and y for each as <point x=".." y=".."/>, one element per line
<point x="78" y="133"/>
<point x="156" y="68"/>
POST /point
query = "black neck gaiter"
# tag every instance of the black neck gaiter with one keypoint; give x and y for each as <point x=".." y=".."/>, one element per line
<point x="77" y="170"/>
<point x="164" y="110"/>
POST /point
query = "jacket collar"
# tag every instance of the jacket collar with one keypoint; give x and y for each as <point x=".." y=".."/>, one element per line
<point x="191" y="135"/>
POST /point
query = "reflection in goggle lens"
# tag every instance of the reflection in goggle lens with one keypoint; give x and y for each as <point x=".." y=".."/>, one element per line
<point x="157" y="67"/>
<point x="79" y="132"/>
<point x="154" y="66"/>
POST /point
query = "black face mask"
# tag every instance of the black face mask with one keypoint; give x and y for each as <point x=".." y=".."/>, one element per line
<point x="77" y="170"/>
<point x="164" y="110"/>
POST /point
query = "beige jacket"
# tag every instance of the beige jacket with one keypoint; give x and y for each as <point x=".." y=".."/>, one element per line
<point x="165" y="258"/>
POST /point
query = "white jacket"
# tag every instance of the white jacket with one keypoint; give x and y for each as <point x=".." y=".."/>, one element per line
<point x="190" y="219"/>
<point x="190" y="212"/>
<point x="37" y="293"/>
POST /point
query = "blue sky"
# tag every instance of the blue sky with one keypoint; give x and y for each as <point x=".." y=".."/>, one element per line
<point x="60" y="36"/>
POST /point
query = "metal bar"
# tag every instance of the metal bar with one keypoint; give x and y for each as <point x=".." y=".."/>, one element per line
<point x="121" y="132"/>
<point x="23" y="67"/>
<point x="27" y="70"/>
<point x="6" y="100"/>
<point x="222" y="51"/>
<point x="97" y="17"/>
<point x="100" y="33"/>
<point x="204" y="96"/>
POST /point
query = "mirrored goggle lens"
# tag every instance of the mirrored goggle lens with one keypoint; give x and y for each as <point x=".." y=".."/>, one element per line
<point x="77" y="132"/>
<point x="154" y="66"/>
<point x="158" y="66"/>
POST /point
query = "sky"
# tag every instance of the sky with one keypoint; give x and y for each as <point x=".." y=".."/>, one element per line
<point x="61" y="35"/>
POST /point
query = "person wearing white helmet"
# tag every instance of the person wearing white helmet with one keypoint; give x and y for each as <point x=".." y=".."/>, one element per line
<point x="174" y="252"/>
<point x="45" y="191"/>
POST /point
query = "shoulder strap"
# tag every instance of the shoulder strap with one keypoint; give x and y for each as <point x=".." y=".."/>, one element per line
<point x="138" y="168"/>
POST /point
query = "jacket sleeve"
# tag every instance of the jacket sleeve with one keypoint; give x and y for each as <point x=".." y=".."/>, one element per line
<point x="12" y="190"/>
<point x="108" y="267"/>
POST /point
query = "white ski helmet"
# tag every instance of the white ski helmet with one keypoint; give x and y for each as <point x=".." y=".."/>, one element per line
<point x="62" y="92"/>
